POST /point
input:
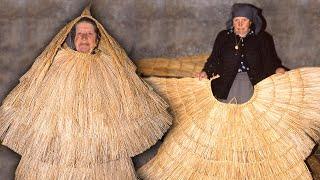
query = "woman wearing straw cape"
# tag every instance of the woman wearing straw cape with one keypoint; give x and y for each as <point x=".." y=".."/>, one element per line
<point x="81" y="112"/>
<point x="267" y="137"/>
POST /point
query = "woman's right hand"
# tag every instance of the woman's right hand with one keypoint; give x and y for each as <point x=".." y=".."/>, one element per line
<point x="201" y="75"/>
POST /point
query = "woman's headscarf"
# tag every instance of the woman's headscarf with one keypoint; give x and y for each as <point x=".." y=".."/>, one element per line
<point x="248" y="11"/>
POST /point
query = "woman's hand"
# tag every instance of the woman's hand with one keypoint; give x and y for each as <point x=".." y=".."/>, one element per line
<point x="201" y="75"/>
<point x="280" y="70"/>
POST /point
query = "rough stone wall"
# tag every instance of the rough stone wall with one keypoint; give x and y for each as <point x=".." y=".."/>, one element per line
<point x="151" y="28"/>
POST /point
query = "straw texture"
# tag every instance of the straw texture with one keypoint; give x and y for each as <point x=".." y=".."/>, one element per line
<point x="74" y="111"/>
<point x="30" y="169"/>
<point x="171" y="67"/>
<point x="268" y="137"/>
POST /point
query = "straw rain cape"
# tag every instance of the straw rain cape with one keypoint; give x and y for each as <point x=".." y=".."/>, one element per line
<point x="268" y="137"/>
<point x="81" y="116"/>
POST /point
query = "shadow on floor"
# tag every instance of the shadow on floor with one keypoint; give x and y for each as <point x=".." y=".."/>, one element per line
<point x="9" y="161"/>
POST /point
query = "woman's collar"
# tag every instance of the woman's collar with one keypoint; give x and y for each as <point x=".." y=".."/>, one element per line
<point x="231" y="32"/>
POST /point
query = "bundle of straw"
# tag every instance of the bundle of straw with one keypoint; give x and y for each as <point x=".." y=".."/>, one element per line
<point x="171" y="67"/>
<point x="268" y="137"/>
<point x="81" y="116"/>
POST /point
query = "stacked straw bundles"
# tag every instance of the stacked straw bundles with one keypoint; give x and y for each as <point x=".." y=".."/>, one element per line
<point x="171" y="67"/>
<point x="81" y="116"/>
<point x="268" y="137"/>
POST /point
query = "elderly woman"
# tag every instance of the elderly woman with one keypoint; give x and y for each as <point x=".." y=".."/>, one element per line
<point x="242" y="56"/>
<point x="269" y="137"/>
<point x="81" y="112"/>
<point x="84" y="36"/>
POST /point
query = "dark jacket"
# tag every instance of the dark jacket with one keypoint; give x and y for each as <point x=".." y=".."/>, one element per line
<point x="256" y="51"/>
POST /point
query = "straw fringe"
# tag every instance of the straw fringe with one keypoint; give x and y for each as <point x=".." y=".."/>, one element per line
<point x="267" y="137"/>
<point x="30" y="169"/>
<point x="171" y="67"/>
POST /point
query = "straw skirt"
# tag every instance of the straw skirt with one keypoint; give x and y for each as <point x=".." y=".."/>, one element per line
<point x="268" y="137"/>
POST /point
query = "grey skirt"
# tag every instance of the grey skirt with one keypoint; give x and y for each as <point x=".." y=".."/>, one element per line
<point x="241" y="90"/>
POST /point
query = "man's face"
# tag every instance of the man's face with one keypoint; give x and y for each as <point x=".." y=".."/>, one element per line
<point x="86" y="37"/>
<point x="241" y="25"/>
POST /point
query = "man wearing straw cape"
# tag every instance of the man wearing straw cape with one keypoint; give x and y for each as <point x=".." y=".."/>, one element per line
<point x="81" y="112"/>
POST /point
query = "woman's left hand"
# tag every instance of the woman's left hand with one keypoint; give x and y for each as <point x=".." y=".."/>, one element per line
<point x="280" y="70"/>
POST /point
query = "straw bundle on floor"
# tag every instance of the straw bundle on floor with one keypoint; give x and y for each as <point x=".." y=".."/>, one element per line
<point x="171" y="67"/>
<point x="267" y="137"/>
<point x="73" y="111"/>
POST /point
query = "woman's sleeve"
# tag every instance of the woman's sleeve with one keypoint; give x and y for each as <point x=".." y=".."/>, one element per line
<point x="211" y="66"/>
<point x="271" y="59"/>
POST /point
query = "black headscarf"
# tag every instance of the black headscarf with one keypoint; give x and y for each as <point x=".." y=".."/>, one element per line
<point x="248" y="11"/>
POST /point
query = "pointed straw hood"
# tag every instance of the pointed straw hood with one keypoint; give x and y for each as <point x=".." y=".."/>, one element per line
<point x="268" y="137"/>
<point x="81" y="116"/>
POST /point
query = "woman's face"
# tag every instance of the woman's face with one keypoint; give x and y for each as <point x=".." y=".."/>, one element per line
<point x="241" y="25"/>
<point x="86" y="38"/>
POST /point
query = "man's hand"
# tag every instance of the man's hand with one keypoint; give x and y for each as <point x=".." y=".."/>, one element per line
<point x="201" y="75"/>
